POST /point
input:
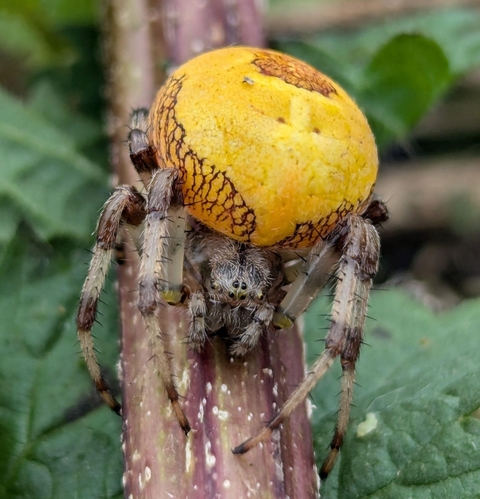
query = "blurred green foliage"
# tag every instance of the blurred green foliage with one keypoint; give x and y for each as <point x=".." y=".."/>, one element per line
<point x="55" y="440"/>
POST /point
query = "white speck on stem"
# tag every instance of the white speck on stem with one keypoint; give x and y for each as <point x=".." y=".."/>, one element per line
<point x="210" y="458"/>
<point x="208" y="387"/>
<point x="148" y="474"/>
<point x="226" y="484"/>
<point x="119" y="370"/>
<point x="201" y="412"/>
<point x="279" y="471"/>
<point x="184" y="381"/>
<point x="224" y="388"/>
<point x="223" y="415"/>
<point x="275" y="389"/>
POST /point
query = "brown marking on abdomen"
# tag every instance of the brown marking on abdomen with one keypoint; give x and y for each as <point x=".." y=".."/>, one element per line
<point x="204" y="187"/>
<point x="293" y="72"/>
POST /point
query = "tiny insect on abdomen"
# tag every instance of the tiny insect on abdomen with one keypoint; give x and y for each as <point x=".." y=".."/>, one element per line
<point x="270" y="151"/>
<point x="246" y="155"/>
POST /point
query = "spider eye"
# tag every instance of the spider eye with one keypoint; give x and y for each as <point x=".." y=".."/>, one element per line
<point x="236" y="284"/>
<point x="261" y="296"/>
<point x="242" y="297"/>
<point x="231" y="294"/>
<point x="244" y="285"/>
<point x="213" y="284"/>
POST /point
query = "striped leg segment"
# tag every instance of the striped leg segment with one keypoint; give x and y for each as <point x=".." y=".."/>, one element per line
<point x="127" y="206"/>
<point x="161" y="270"/>
<point x="142" y="154"/>
<point x="358" y="265"/>
<point x="358" y="244"/>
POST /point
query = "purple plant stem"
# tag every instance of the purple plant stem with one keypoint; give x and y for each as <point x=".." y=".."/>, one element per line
<point x="225" y="400"/>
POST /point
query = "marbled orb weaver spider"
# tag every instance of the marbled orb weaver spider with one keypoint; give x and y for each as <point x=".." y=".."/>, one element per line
<point x="258" y="173"/>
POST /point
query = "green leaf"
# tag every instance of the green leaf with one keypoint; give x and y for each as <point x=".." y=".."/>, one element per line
<point x="402" y="81"/>
<point x="43" y="177"/>
<point x="54" y="443"/>
<point x="414" y="431"/>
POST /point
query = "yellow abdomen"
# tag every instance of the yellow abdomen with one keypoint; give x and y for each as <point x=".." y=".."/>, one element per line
<point x="270" y="151"/>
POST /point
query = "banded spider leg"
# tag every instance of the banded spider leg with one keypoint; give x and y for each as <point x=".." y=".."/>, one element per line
<point x="355" y="247"/>
<point x="161" y="270"/>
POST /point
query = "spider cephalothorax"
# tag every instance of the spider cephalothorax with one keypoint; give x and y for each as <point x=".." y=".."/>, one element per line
<point x="238" y="288"/>
<point x="258" y="174"/>
<point x="239" y="273"/>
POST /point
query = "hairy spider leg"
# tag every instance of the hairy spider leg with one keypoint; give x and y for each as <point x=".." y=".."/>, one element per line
<point x="160" y="182"/>
<point x="142" y="154"/>
<point x="161" y="270"/>
<point x="262" y="317"/>
<point x="197" y="335"/>
<point x="125" y="206"/>
<point x="358" y="265"/>
<point x="359" y="245"/>
<point x="162" y="252"/>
